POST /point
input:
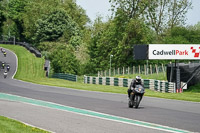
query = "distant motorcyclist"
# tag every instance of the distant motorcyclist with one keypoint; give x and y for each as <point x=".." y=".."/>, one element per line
<point x="4" y="54"/>
<point x="5" y="74"/>
<point x="8" y="67"/>
<point x="136" y="81"/>
<point x="3" y="65"/>
<point x="3" y="50"/>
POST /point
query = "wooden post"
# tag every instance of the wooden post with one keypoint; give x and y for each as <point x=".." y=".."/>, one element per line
<point x="163" y="70"/>
<point x="145" y="72"/>
<point x="128" y="70"/>
<point x="105" y="73"/>
<point x="156" y="68"/>
<point x="114" y="72"/>
<point x="139" y="69"/>
<point x="109" y="72"/>
<point x="147" y="67"/>
<point x="123" y="70"/>
<point x="151" y="69"/>
<point x="118" y="71"/>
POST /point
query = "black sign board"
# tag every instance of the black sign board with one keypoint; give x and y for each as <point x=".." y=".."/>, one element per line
<point x="140" y="52"/>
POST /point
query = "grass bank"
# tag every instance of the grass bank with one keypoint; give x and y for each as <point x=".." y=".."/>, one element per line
<point x="12" y="126"/>
<point x="31" y="69"/>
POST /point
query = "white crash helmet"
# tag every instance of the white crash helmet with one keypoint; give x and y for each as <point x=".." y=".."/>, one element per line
<point x="138" y="78"/>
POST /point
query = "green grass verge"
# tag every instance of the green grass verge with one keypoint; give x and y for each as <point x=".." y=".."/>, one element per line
<point x="31" y="69"/>
<point x="12" y="126"/>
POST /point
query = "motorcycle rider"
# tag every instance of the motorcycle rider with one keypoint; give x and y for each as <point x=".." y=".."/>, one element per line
<point x="5" y="74"/>
<point x="4" y="54"/>
<point x="134" y="82"/>
<point x="3" y="65"/>
<point x="8" y="67"/>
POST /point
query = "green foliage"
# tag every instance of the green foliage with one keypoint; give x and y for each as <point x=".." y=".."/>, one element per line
<point x="52" y="26"/>
<point x="15" y="13"/>
<point x="16" y="9"/>
<point x="130" y="8"/>
<point x="166" y="14"/>
<point x="63" y="57"/>
<point x="63" y="60"/>
<point x="77" y="13"/>
<point x="2" y="18"/>
<point x="75" y="41"/>
<point x="26" y="13"/>
<point x="194" y="89"/>
<point x="35" y="10"/>
<point x="183" y="35"/>
<point x="116" y="38"/>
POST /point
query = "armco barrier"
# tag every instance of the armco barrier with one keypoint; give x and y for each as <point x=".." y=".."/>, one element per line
<point x="156" y="85"/>
<point x="26" y="45"/>
<point x="69" y="77"/>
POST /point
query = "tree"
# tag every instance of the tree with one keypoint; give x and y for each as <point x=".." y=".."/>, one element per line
<point x="197" y="26"/>
<point x="160" y="14"/>
<point x="63" y="60"/>
<point x="157" y="14"/>
<point x="53" y="25"/>
<point x="15" y="12"/>
<point x="116" y="38"/>
<point x="2" y="17"/>
<point x="35" y="10"/>
<point x="183" y="35"/>
<point x="163" y="14"/>
<point x="177" y="12"/>
<point x="131" y="8"/>
<point x="77" y="13"/>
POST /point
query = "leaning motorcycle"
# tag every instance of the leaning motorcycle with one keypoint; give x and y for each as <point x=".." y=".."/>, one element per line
<point x="136" y="96"/>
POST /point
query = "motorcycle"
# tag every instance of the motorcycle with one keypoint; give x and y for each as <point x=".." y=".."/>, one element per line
<point x="8" y="68"/>
<point x="136" y="96"/>
<point x="5" y="75"/>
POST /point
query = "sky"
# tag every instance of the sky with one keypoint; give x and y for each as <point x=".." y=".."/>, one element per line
<point x="101" y="7"/>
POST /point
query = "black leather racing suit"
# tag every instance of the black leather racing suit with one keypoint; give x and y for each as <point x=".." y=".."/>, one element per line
<point x="133" y="84"/>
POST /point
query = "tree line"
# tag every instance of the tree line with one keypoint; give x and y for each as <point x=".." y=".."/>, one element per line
<point x="64" y="34"/>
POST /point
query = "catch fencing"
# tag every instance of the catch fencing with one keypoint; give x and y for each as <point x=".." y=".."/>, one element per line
<point x="156" y="85"/>
<point x="140" y="69"/>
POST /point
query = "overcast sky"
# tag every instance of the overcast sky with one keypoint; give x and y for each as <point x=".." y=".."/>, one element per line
<point x="101" y="7"/>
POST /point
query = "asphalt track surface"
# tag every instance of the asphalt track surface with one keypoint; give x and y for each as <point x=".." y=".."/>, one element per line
<point x="171" y="113"/>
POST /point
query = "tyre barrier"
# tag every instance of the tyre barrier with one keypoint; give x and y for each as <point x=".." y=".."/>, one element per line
<point x="156" y="85"/>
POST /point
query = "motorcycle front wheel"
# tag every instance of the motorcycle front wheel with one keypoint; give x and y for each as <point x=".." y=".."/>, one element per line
<point x="131" y="101"/>
<point x="137" y="101"/>
<point x="130" y="104"/>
